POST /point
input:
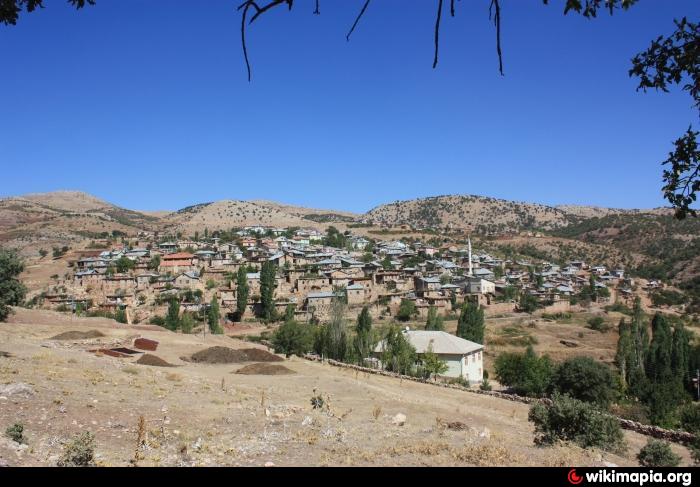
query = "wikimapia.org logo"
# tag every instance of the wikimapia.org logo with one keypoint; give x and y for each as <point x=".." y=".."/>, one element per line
<point x="639" y="478"/>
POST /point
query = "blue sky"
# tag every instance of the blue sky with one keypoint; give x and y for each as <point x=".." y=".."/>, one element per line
<point x="146" y="104"/>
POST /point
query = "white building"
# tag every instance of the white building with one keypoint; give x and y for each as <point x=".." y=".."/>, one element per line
<point x="463" y="358"/>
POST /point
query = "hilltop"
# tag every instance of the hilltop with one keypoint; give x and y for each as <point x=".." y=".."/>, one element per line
<point x="472" y="213"/>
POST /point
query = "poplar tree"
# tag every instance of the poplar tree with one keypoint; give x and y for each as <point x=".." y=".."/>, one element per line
<point x="470" y="325"/>
<point x="242" y="291"/>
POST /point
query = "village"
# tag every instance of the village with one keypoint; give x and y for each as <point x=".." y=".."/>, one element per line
<point x="135" y="281"/>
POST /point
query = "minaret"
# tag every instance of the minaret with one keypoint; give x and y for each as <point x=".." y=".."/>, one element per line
<point x="469" y="246"/>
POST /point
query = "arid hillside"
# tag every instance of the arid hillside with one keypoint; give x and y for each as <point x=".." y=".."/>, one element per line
<point x="242" y="412"/>
<point x="473" y="213"/>
<point x="227" y="214"/>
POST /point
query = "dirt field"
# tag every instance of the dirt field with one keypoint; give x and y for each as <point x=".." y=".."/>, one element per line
<point x="206" y="414"/>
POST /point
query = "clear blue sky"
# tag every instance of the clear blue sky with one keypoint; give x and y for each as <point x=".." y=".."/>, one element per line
<point x="146" y="104"/>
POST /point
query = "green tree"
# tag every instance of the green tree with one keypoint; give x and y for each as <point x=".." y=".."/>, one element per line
<point x="526" y="373"/>
<point x="624" y="356"/>
<point x="434" y="321"/>
<point x="120" y="315"/>
<point x="335" y="339"/>
<point x="186" y="323"/>
<point x="289" y="312"/>
<point x="12" y="291"/>
<point x="528" y="303"/>
<point x="398" y="354"/>
<point x="585" y="379"/>
<point x="154" y="263"/>
<point x="470" y="324"/>
<point x="386" y="262"/>
<point x="213" y="317"/>
<point x="293" y="338"/>
<point x="363" y="335"/>
<point x="268" y="275"/>
<point x="242" y="291"/>
<point x="124" y="264"/>
<point x="172" y="318"/>
<point x="432" y="364"/>
<point x="407" y="310"/>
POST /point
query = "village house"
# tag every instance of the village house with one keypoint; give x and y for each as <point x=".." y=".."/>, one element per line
<point x="178" y="262"/>
<point x="464" y="358"/>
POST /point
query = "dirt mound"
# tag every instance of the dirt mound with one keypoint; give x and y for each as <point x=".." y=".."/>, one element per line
<point x="258" y="355"/>
<point x="77" y="335"/>
<point x="148" y="359"/>
<point x="225" y="355"/>
<point x="265" y="369"/>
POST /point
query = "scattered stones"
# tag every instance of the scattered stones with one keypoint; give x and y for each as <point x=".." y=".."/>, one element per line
<point x="307" y="421"/>
<point x="269" y="464"/>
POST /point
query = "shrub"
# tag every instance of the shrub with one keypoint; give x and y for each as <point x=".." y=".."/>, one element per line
<point x="657" y="453"/>
<point x="15" y="432"/>
<point x="293" y="338"/>
<point x="585" y="379"/>
<point x="186" y="323"/>
<point x="407" y="309"/>
<point x="485" y="385"/>
<point x="568" y="419"/>
<point x="157" y="320"/>
<point x="597" y="323"/>
<point x="79" y="452"/>
<point x="526" y="373"/>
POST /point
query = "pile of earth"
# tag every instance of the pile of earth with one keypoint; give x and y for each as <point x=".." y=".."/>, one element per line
<point x="148" y="359"/>
<point x="265" y="369"/>
<point x="78" y="335"/>
<point x="225" y="355"/>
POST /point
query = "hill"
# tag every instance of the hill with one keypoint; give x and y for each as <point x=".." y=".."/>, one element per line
<point x="472" y="213"/>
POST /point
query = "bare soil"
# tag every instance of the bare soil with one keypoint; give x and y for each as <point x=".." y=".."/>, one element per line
<point x="206" y="415"/>
<point x="225" y="355"/>
<point x="265" y="369"/>
<point x="78" y="335"/>
<point x="154" y="360"/>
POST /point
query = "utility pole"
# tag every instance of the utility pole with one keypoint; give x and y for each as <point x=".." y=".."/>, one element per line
<point x="697" y="383"/>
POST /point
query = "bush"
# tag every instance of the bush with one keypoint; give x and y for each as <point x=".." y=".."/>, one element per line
<point x="568" y="419"/>
<point x="186" y="323"/>
<point x="587" y="380"/>
<point x="293" y="338"/>
<point x="597" y="323"/>
<point x="485" y="384"/>
<point x="15" y="432"/>
<point x="620" y="308"/>
<point x="407" y="310"/>
<point x="79" y="452"/>
<point x="657" y="453"/>
<point x="526" y="373"/>
<point x="157" y="320"/>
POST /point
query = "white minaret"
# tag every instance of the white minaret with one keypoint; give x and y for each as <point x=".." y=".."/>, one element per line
<point x="469" y="246"/>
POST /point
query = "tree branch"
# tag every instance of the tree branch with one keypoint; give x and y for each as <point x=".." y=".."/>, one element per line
<point x="359" y="16"/>
<point x="437" y="32"/>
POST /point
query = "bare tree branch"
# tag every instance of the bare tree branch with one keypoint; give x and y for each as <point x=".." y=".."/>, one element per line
<point x="359" y="16"/>
<point x="437" y="33"/>
<point x="497" y="23"/>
